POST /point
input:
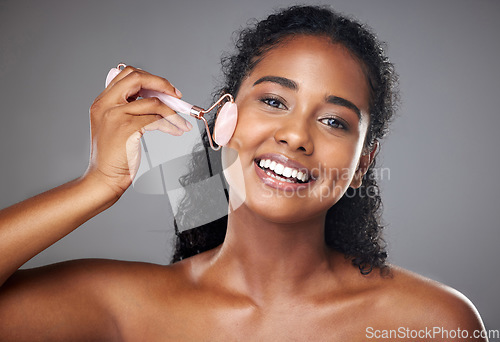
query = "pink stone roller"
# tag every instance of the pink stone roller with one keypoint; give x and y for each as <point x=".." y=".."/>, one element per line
<point x="227" y="113"/>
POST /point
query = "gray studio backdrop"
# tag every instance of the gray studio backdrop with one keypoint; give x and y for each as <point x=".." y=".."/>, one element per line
<point x="440" y="196"/>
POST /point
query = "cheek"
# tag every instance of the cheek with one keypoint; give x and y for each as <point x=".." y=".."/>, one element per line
<point x="337" y="167"/>
<point x="339" y="156"/>
<point x="250" y="131"/>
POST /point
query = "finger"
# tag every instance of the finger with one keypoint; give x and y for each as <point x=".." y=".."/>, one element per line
<point x="121" y="74"/>
<point x="135" y="80"/>
<point x="164" y="126"/>
<point x="155" y="106"/>
<point x="145" y="123"/>
<point x="124" y="72"/>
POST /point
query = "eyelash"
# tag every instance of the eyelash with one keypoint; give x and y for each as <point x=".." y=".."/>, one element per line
<point x="338" y="124"/>
<point x="279" y="101"/>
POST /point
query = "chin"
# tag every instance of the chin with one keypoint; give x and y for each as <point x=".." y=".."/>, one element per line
<point x="282" y="210"/>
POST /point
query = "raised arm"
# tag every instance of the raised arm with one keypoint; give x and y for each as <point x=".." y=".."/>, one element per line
<point x="117" y="124"/>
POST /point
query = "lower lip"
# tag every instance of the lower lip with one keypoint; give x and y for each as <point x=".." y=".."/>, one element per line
<point x="277" y="184"/>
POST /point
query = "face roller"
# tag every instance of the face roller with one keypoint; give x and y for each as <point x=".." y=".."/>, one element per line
<point x="227" y="113"/>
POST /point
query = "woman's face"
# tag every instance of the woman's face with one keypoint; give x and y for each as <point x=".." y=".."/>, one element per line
<point x="303" y="117"/>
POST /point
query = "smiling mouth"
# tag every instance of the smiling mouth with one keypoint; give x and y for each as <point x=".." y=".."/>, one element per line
<point x="282" y="173"/>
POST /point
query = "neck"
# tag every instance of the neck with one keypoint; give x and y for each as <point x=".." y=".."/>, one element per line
<point x="267" y="259"/>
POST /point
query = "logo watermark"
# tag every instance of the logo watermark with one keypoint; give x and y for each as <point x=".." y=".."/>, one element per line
<point x="429" y="333"/>
<point x="339" y="179"/>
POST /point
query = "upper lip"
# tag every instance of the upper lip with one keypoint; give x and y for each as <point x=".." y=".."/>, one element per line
<point x="287" y="162"/>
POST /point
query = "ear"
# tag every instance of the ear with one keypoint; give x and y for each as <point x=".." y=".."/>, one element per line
<point x="364" y="163"/>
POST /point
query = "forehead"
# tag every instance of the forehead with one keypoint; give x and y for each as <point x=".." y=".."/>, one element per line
<point x="316" y="65"/>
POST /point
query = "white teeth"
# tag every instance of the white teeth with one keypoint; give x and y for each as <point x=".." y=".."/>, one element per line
<point x="272" y="165"/>
<point x="280" y="169"/>
<point x="287" y="172"/>
<point x="278" y="177"/>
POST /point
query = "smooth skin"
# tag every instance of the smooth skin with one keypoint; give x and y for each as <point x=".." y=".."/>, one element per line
<point x="273" y="279"/>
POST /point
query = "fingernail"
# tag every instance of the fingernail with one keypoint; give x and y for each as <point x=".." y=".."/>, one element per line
<point x="178" y="92"/>
<point x="188" y="125"/>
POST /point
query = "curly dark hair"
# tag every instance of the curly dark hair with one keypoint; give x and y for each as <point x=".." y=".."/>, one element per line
<point x="353" y="225"/>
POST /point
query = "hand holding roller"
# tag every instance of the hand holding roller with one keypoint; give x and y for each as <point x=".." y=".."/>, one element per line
<point x="227" y="114"/>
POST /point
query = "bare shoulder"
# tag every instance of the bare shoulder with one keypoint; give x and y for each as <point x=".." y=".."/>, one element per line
<point x="105" y="281"/>
<point x="92" y="298"/>
<point x="94" y="273"/>
<point x="423" y="302"/>
<point x="119" y="283"/>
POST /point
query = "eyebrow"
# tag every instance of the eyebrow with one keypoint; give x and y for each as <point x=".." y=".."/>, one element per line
<point x="288" y="83"/>
<point x="285" y="82"/>
<point x="340" y="101"/>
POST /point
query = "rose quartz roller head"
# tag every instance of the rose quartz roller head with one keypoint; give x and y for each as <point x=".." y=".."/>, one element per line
<point x="227" y="114"/>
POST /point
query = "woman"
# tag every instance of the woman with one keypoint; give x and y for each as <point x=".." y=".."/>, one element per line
<point x="301" y="259"/>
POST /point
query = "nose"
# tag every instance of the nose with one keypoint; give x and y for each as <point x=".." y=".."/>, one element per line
<point x="295" y="133"/>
